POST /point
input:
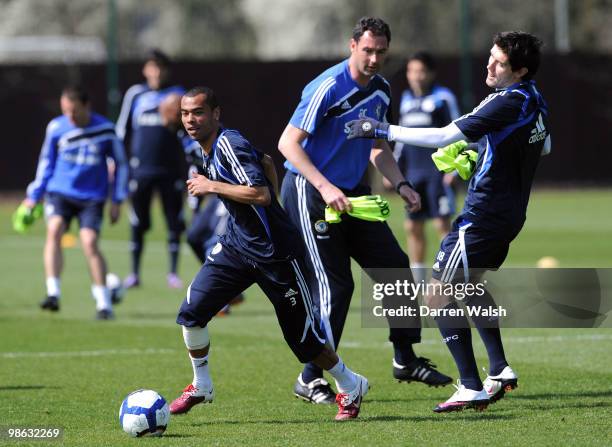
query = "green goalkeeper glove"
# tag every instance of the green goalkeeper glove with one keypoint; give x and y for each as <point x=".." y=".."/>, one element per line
<point x="24" y="217"/>
<point x="456" y="157"/>
<point x="372" y="208"/>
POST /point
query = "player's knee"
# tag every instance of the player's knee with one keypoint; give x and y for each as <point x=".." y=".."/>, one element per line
<point x="140" y="227"/>
<point x="55" y="228"/>
<point x="433" y="298"/>
<point x="196" y="337"/>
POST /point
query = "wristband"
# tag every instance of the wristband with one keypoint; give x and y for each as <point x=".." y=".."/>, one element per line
<point x="403" y="183"/>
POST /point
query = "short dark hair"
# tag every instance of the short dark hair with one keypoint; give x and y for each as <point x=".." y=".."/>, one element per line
<point x="522" y="49"/>
<point x="158" y="57"/>
<point x="76" y="93"/>
<point x="375" y="25"/>
<point x="425" y="58"/>
<point x="211" y="96"/>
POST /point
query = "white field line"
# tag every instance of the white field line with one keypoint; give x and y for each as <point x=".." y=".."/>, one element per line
<point x="96" y="353"/>
<point x="509" y="339"/>
<point x="14" y="241"/>
<point x="348" y="345"/>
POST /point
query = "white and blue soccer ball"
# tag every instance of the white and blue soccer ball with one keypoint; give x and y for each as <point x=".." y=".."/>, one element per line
<point x="144" y="413"/>
<point x="115" y="287"/>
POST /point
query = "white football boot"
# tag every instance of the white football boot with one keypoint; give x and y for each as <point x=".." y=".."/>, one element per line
<point x="497" y="386"/>
<point x="464" y="398"/>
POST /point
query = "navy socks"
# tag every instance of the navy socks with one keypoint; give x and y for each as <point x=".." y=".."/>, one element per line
<point x="457" y="335"/>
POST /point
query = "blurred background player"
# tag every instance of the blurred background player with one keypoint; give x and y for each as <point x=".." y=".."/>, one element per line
<point x="156" y="163"/>
<point x="425" y="104"/>
<point x="73" y="178"/>
<point x="323" y="169"/>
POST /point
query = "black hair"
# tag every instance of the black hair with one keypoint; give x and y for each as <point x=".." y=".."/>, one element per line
<point x="211" y="97"/>
<point x="76" y="93"/>
<point x="522" y="49"/>
<point x="157" y="56"/>
<point x="425" y="58"/>
<point x="375" y="25"/>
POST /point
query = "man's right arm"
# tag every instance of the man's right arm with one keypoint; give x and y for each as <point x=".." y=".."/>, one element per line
<point x="122" y="128"/>
<point x="44" y="171"/>
<point x="290" y="145"/>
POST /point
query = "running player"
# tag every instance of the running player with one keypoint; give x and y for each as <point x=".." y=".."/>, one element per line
<point x="259" y="246"/>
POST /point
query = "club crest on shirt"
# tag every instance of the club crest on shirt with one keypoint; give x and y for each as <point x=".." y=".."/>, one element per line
<point x="321" y="226"/>
<point x="216" y="249"/>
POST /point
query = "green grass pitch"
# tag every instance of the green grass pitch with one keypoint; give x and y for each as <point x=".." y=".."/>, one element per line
<point x="67" y="370"/>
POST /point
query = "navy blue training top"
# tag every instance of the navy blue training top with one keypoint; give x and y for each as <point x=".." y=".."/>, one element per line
<point x="510" y="126"/>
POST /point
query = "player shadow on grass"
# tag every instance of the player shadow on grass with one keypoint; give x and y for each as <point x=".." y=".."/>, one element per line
<point x="388" y="418"/>
<point x="28" y="387"/>
<point x="470" y="416"/>
<point x="563" y="397"/>
<point x="178" y="435"/>
<point x="402" y="400"/>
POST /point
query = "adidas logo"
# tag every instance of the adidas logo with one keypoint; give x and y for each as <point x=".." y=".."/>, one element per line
<point x="436" y="266"/>
<point x="345" y="105"/>
<point x="290" y="293"/>
<point x="538" y="133"/>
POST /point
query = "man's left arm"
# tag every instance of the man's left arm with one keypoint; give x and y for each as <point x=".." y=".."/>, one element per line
<point x="382" y="158"/>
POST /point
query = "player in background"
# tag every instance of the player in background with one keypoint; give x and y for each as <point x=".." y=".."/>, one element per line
<point x="73" y="179"/>
<point x="323" y="168"/>
<point x="425" y="104"/>
<point x="259" y="246"/>
<point x="511" y="128"/>
<point x="156" y="163"/>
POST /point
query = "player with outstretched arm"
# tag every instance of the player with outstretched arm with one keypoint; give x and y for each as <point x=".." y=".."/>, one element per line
<point x="511" y="128"/>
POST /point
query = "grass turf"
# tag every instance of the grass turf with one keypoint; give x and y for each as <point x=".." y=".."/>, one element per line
<point x="67" y="370"/>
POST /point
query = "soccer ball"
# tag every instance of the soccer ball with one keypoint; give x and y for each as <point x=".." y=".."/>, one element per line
<point x="115" y="287"/>
<point x="144" y="413"/>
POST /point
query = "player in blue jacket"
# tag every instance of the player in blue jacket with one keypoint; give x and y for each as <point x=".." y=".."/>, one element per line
<point x="260" y="246"/>
<point x="73" y="179"/>
<point x="323" y="169"/>
<point x="511" y="128"/>
<point x="156" y="163"/>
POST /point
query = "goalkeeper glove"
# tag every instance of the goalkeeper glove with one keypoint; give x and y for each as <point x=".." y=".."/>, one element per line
<point x="367" y="128"/>
<point x="24" y="217"/>
<point x="371" y="208"/>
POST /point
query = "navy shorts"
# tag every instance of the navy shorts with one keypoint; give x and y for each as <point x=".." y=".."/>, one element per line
<point x="437" y="199"/>
<point x="89" y="213"/>
<point x="469" y="250"/>
<point x="227" y="273"/>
